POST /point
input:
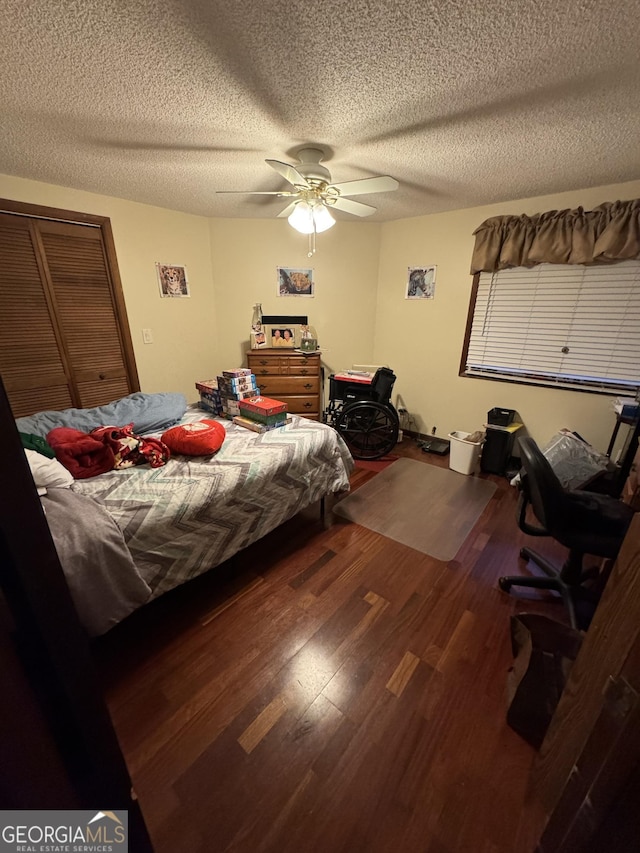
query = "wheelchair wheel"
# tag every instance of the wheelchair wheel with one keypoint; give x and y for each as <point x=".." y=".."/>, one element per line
<point x="369" y="428"/>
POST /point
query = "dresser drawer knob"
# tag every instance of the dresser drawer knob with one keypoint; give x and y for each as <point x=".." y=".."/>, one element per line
<point x="304" y="372"/>
<point x="308" y="405"/>
<point x="262" y="361"/>
<point x="308" y="385"/>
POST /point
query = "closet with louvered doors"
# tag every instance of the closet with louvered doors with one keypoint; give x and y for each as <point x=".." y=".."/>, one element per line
<point x="64" y="336"/>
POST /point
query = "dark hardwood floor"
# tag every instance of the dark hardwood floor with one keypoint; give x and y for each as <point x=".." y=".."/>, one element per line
<point x="330" y="690"/>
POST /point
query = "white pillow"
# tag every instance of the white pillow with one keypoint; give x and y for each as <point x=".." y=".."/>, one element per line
<point x="47" y="473"/>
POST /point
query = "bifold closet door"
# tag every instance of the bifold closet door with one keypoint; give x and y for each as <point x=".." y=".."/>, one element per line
<point x="64" y="340"/>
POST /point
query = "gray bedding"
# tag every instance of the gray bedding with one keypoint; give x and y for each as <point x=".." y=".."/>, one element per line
<point x="194" y="513"/>
<point x="103" y="581"/>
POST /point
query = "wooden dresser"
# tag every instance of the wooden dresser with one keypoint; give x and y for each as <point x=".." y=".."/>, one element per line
<point x="294" y="378"/>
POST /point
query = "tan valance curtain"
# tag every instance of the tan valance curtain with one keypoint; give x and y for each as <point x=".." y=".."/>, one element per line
<point x="610" y="232"/>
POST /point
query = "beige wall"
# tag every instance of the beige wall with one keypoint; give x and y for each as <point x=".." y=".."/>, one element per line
<point x="245" y="258"/>
<point x="185" y="342"/>
<point x="422" y="339"/>
<point x="359" y="310"/>
<point x="231" y="265"/>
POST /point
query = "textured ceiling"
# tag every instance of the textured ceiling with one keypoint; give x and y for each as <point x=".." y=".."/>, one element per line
<point x="465" y="102"/>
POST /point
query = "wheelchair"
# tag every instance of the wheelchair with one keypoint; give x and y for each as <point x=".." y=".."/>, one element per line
<point x="363" y="415"/>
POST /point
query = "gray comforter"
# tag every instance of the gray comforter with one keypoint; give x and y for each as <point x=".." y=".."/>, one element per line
<point x="103" y="580"/>
<point x="190" y="515"/>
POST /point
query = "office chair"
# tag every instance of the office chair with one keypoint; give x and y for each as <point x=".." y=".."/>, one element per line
<point x="584" y="522"/>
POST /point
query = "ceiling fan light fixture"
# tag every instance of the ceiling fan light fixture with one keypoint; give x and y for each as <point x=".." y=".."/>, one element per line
<point x="309" y="219"/>
<point x="301" y="218"/>
<point x="322" y="218"/>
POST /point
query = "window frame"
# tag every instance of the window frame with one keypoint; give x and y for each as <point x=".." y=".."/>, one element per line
<point x="606" y="387"/>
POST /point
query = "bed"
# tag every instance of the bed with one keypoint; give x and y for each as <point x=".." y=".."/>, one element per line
<point x="127" y="536"/>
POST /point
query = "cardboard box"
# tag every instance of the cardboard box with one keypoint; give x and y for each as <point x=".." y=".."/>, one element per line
<point x="268" y="420"/>
<point x="231" y="408"/>
<point x="211" y="402"/>
<point x="207" y="385"/>
<point x="236" y="372"/>
<point x="255" y="426"/>
<point x="264" y="406"/>
<point x="238" y="395"/>
<point x="243" y="383"/>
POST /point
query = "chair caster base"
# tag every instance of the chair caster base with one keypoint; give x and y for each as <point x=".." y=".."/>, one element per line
<point x="505" y="584"/>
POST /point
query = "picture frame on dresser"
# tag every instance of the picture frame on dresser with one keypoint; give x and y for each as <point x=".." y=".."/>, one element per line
<point x="284" y="336"/>
<point x="277" y="323"/>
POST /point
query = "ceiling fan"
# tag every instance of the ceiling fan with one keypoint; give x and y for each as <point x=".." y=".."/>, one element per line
<point x="313" y="194"/>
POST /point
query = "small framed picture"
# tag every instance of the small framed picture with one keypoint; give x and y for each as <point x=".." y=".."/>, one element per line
<point x="258" y="339"/>
<point x="421" y="283"/>
<point x="295" y="282"/>
<point x="172" y="280"/>
<point x="283" y="336"/>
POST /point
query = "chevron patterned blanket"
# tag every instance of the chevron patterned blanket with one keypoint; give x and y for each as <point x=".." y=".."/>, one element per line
<point x="194" y="513"/>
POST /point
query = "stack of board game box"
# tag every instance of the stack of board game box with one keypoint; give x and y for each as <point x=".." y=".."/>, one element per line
<point x="236" y="385"/>
<point x="210" y="399"/>
<point x="262" y="414"/>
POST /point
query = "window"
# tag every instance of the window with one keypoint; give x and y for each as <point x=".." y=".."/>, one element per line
<point x="565" y="325"/>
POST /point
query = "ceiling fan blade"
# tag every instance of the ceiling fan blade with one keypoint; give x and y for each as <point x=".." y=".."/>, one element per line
<point x="287" y="211"/>
<point x="283" y="193"/>
<point x="288" y="173"/>
<point x="354" y="207"/>
<point x="379" y="184"/>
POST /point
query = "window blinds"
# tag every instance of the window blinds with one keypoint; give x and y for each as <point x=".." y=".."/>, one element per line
<point x="566" y="325"/>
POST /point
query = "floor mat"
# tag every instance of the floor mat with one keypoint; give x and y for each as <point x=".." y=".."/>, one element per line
<point x="423" y="506"/>
<point x="376" y="464"/>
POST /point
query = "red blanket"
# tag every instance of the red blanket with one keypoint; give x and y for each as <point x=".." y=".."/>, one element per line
<point x="130" y="449"/>
<point x="80" y="454"/>
<point x="104" y="448"/>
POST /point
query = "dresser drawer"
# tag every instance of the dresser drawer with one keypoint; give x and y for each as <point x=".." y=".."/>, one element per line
<point x="271" y="386"/>
<point x="267" y="367"/>
<point x="291" y="377"/>
<point x="301" y="404"/>
<point x="266" y="364"/>
<point x="303" y="363"/>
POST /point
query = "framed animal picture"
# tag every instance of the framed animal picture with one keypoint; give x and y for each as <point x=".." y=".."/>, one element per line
<point x="172" y="280"/>
<point x="295" y="282"/>
<point x="421" y="283"/>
